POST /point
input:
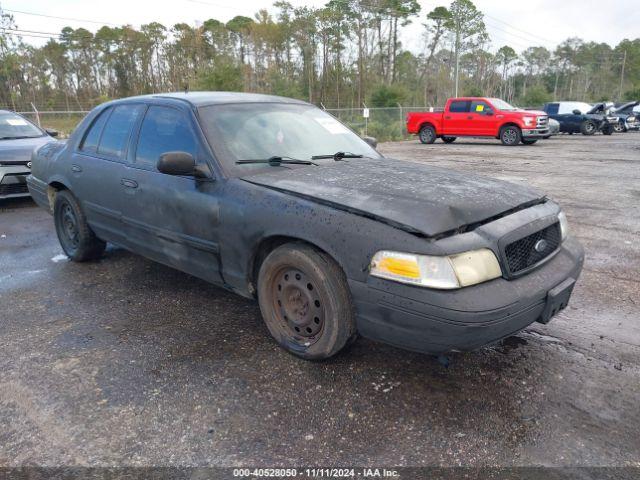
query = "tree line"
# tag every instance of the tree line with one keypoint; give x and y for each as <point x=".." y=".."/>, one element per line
<point x="344" y="54"/>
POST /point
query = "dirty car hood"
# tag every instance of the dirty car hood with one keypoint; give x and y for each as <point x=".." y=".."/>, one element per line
<point x="416" y="197"/>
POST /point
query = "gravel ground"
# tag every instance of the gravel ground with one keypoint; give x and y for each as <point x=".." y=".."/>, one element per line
<point x="127" y="362"/>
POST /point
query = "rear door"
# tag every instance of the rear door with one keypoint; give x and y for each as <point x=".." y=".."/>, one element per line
<point x="172" y="219"/>
<point x="455" y="120"/>
<point x="97" y="166"/>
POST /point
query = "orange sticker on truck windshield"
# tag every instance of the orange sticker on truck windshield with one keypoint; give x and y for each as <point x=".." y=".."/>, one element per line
<point x="479" y="108"/>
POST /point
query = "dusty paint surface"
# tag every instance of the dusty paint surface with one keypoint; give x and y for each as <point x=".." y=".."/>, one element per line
<point x="125" y="361"/>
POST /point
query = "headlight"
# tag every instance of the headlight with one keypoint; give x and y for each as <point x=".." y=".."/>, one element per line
<point x="453" y="271"/>
<point x="528" y="121"/>
<point x="564" y="225"/>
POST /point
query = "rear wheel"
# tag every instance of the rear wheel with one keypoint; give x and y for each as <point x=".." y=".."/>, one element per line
<point x="448" y="139"/>
<point x="76" y="237"/>
<point x="305" y="301"/>
<point x="510" y="135"/>
<point x="427" y="134"/>
<point x="529" y="141"/>
<point x="588" y="127"/>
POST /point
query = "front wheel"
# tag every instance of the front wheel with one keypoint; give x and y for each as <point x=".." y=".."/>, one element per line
<point x="305" y="301"/>
<point x="510" y="135"/>
<point x="448" y="139"/>
<point x="427" y="134"/>
<point x="619" y="127"/>
<point x="588" y="127"/>
<point x="529" y="141"/>
<point x="76" y="237"/>
<point x="608" y="130"/>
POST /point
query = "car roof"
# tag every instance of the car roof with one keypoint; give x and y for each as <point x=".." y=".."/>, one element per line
<point x="201" y="99"/>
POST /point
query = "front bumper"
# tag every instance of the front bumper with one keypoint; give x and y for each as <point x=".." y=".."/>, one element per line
<point x="439" y="321"/>
<point x="13" y="181"/>
<point x="535" y="133"/>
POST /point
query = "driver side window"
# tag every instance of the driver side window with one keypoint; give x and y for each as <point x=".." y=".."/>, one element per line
<point x="480" y="107"/>
<point x="163" y="129"/>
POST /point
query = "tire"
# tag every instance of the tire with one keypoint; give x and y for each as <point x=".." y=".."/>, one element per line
<point x="619" y="127"/>
<point x="306" y="302"/>
<point x="608" y="129"/>
<point x="427" y="134"/>
<point x="527" y="141"/>
<point x="449" y="139"/>
<point x="510" y="135"/>
<point x="588" y="127"/>
<point x="74" y="234"/>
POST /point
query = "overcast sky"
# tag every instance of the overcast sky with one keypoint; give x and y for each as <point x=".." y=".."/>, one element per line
<point x="516" y="23"/>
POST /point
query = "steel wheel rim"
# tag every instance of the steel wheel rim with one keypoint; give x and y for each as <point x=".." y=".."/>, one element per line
<point x="69" y="224"/>
<point x="509" y="135"/>
<point x="298" y="307"/>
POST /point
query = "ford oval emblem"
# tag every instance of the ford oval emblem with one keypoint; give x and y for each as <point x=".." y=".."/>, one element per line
<point x="28" y="164"/>
<point x="541" y="245"/>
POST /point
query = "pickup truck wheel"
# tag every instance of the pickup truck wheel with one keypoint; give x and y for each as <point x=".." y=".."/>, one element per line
<point x="510" y="135"/>
<point x="529" y="141"/>
<point x="76" y="237"/>
<point x="449" y="139"/>
<point x="588" y="127"/>
<point x="305" y="301"/>
<point x="427" y="134"/>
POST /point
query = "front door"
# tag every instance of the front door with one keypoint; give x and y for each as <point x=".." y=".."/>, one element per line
<point x="482" y="122"/>
<point x="171" y="219"/>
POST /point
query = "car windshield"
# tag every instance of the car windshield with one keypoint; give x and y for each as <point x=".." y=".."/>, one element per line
<point x="256" y="131"/>
<point x="501" y="104"/>
<point x="14" y="126"/>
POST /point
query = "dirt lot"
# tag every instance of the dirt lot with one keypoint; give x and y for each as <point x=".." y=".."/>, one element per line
<point x="127" y="362"/>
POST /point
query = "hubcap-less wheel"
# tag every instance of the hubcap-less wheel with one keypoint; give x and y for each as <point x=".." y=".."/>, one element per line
<point x="299" y="307"/>
<point x="426" y="135"/>
<point x="70" y="226"/>
<point x="589" y="128"/>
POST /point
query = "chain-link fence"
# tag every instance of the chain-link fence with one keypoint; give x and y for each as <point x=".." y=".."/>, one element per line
<point x="388" y="123"/>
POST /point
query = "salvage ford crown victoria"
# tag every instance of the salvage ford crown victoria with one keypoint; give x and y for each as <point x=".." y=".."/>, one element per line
<point x="275" y="199"/>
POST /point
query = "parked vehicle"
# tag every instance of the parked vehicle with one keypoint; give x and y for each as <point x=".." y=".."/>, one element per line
<point x="18" y="138"/>
<point x="331" y="237"/>
<point x="580" y="117"/>
<point x="479" y="117"/>
<point x="554" y="127"/>
<point x="627" y="117"/>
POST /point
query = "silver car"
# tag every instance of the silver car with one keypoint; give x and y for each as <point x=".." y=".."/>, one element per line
<point x="18" y="139"/>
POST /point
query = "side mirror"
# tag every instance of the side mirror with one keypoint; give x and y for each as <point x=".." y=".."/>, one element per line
<point x="177" y="163"/>
<point x="489" y="113"/>
<point x="373" y="142"/>
<point x="51" y="132"/>
<point x="577" y="112"/>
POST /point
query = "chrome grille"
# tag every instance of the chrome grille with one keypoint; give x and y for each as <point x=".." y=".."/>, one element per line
<point x="542" y="121"/>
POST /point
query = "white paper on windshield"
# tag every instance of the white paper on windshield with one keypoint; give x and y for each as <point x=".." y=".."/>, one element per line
<point x="16" y="122"/>
<point x="331" y="125"/>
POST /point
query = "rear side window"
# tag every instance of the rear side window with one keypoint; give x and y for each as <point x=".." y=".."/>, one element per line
<point x="92" y="137"/>
<point x="115" y="135"/>
<point x="459" y="106"/>
<point x="552" y="108"/>
<point x="164" y="130"/>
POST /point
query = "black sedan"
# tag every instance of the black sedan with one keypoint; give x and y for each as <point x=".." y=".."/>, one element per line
<point x="579" y="117"/>
<point x="276" y="200"/>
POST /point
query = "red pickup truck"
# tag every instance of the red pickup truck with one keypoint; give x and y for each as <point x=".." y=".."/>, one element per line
<point x="480" y="117"/>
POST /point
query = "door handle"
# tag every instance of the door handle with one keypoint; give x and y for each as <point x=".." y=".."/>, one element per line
<point x="129" y="183"/>
<point x="76" y="168"/>
<point x="447" y="118"/>
<point x="470" y="117"/>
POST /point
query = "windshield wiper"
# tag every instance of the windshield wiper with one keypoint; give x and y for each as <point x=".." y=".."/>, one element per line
<point x="337" y="156"/>
<point x="276" y="161"/>
<point x="20" y="137"/>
